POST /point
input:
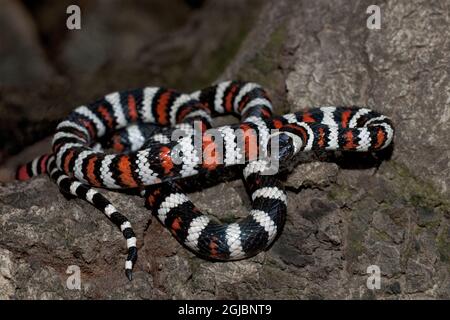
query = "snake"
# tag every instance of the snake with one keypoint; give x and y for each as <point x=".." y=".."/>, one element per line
<point x="151" y="139"/>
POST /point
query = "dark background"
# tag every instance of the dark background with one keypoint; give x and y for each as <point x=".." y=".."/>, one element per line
<point x="46" y="69"/>
<point x="343" y="216"/>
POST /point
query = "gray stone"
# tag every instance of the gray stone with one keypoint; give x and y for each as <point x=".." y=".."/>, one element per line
<point x="313" y="175"/>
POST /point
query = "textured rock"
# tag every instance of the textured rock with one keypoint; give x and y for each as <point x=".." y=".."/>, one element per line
<point x="344" y="215"/>
<point x="6" y="270"/>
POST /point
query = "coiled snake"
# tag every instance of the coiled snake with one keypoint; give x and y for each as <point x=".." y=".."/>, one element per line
<point x="139" y="126"/>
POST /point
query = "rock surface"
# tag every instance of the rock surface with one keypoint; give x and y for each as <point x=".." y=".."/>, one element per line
<point x="344" y="215"/>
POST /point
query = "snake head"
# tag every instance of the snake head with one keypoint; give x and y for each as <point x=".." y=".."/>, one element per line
<point x="284" y="145"/>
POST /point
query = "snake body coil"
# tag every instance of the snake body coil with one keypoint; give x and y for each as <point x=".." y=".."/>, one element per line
<point x="139" y="125"/>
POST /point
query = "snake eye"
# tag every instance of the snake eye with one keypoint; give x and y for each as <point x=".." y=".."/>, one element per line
<point x="285" y="146"/>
